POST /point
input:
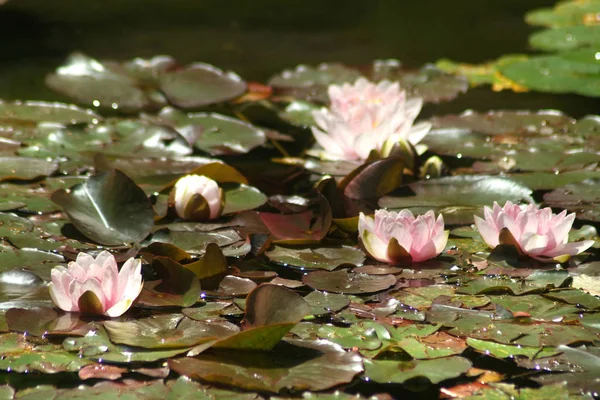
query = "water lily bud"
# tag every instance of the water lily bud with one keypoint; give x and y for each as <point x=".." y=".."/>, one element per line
<point x="197" y="198"/>
<point x="399" y="147"/>
<point x="432" y="168"/>
<point x="400" y="238"/>
<point x="95" y="285"/>
<point x="536" y="232"/>
<point x="363" y="116"/>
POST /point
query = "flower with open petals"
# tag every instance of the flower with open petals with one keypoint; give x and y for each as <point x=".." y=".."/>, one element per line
<point x="536" y="232"/>
<point x="399" y="237"/>
<point x="197" y="198"/>
<point x="95" y="285"/>
<point x="363" y="116"/>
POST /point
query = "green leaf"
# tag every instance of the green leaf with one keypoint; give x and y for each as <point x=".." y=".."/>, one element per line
<point x="389" y="371"/>
<point x="499" y="350"/>
<point x="166" y="331"/>
<point x="348" y="282"/>
<point x="321" y="257"/>
<point x="108" y="208"/>
<point x="292" y="365"/>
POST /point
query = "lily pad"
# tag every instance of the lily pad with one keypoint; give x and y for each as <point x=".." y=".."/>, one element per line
<point x="508" y="351"/>
<point x="108" y="208"/>
<point x="322" y="257"/>
<point x="240" y="197"/>
<point x="325" y="303"/>
<point x="271" y="312"/>
<point x="28" y="112"/>
<point x="25" y="168"/>
<point x="143" y="84"/>
<point x="348" y="282"/>
<point x="166" y="331"/>
<point x="292" y="365"/>
<point x="465" y="190"/>
<point x="582" y="198"/>
<point x="390" y="371"/>
<point x="214" y="133"/>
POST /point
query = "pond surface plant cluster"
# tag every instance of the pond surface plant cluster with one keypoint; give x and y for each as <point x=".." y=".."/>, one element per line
<point x="183" y="233"/>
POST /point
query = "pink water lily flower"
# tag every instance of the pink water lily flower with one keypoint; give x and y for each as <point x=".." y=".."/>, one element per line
<point x="399" y="237"/>
<point x="95" y="285"/>
<point x="536" y="232"/>
<point x="363" y="116"/>
<point x="197" y="198"/>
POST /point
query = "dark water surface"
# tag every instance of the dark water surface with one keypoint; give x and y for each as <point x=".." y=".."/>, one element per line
<point x="257" y="38"/>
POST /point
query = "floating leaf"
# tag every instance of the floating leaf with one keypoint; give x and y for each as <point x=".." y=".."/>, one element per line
<point x="166" y="331"/>
<point x="25" y="168"/>
<point x="471" y="192"/>
<point x="291" y="365"/>
<point x="108" y="208"/>
<point x="348" y="282"/>
<point x="389" y="371"/>
<point x="214" y="133"/>
<point x="508" y="351"/>
<point x="199" y="85"/>
<point x="28" y="112"/>
<point x="143" y="84"/>
<point x="322" y="257"/>
<point x="325" y="303"/>
<point x="21" y="356"/>
<point x="240" y="197"/>
<point x="582" y="198"/>
<point x="271" y="311"/>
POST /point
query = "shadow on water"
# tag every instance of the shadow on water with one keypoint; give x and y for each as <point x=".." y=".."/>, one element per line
<point x="259" y="38"/>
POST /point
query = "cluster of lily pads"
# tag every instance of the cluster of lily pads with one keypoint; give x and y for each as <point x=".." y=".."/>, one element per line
<point x="251" y="267"/>
<point x="570" y="64"/>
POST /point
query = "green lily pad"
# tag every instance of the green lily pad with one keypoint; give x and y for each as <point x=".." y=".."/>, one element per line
<point x="582" y="198"/>
<point x="348" y="282"/>
<point x="108" y="208"/>
<point x="576" y="297"/>
<point x="97" y="346"/>
<point x="539" y="281"/>
<point x="566" y="38"/>
<point x="39" y="111"/>
<point x="508" y="351"/>
<point x="465" y="191"/>
<point x="240" y="197"/>
<point x="366" y="335"/>
<point x="166" y="331"/>
<point x="143" y="84"/>
<point x="322" y="257"/>
<point x="586" y="360"/>
<point x="555" y="74"/>
<point x="437" y="370"/>
<point x="565" y="13"/>
<point x="292" y="365"/>
<point x="25" y="168"/>
<point x="538" y="307"/>
<point x="325" y="303"/>
<point x="200" y="84"/>
<point x="214" y="133"/>
<point x="271" y="312"/>
<point x="21" y="356"/>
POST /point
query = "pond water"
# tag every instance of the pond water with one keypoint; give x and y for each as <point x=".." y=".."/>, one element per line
<point x="259" y="38"/>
